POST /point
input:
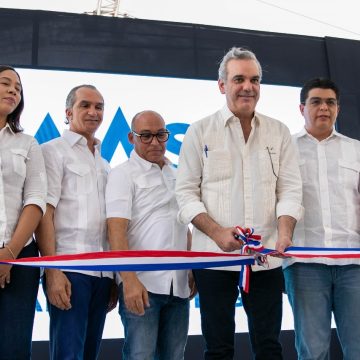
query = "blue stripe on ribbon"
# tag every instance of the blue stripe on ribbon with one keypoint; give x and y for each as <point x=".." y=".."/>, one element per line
<point x="148" y="267"/>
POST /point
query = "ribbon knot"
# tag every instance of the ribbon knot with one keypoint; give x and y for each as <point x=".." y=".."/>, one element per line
<point x="251" y="245"/>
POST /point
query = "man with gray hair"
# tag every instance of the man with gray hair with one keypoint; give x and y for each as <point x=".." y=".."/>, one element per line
<point x="75" y="222"/>
<point x="239" y="167"/>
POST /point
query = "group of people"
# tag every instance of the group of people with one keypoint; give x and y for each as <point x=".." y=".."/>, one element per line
<point x="236" y="167"/>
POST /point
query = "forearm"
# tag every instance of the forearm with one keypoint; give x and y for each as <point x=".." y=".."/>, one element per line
<point x="45" y="233"/>
<point x="28" y="221"/>
<point x="117" y="234"/>
<point x="207" y="225"/>
<point x="286" y="226"/>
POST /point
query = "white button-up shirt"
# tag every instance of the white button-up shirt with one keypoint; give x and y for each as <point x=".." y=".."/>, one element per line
<point x="241" y="183"/>
<point x="76" y="189"/>
<point x="330" y="172"/>
<point x="22" y="179"/>
<point x="141" y="192"/>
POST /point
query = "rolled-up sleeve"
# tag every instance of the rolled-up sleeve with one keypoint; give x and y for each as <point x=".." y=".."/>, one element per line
<point x="289" y="185"/>
<point x="35" y="186"/>
<point x="189" y="176"/>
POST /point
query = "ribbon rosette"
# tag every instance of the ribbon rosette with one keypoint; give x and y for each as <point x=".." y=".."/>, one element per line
<point x="251" y="245"/>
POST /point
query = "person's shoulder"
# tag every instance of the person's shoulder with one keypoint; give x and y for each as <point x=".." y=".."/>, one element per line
<point x="345" y="138"/>
<point x="207" y="122"/>
<point x="53" y="142"/>
<point x="268" y="120"/>
<point x="122" y="168"/>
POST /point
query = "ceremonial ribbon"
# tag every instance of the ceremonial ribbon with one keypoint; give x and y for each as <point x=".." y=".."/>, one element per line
<point x="251" y="245"/>
<point x="134" y="260"/>
<point x="152" y="260"/>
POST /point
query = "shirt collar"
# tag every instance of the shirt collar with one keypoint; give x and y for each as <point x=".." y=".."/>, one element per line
<point x="227" y="116"/>
<point x="333" y="134"/>
<point x="74" y="138"/>
<point x="144" y="164"/>
<point x="8" y="129"/>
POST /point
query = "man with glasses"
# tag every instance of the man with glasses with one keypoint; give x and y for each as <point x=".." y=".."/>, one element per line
<point x="141" y="212"/>
<point x="239" y="167"/>
<point x="318" y="287"/>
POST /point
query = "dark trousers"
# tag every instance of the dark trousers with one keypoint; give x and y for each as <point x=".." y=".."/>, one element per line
<point x="76" y="334"/>
<point x="218" y="293"/>
<point x="263" y="307"/>
<point x="17" y="308"/>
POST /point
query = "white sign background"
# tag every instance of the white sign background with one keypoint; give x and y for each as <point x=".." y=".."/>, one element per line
<point x="177" y="100"/>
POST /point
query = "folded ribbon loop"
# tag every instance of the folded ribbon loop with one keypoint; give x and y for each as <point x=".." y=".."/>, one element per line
<point x="251" y="245"/>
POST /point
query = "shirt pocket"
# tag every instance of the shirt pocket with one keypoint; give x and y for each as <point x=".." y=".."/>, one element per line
<point x="148" y="182"/>
<point x="80" y="178"/>
<point x="19" y="157"/>
<point x="217" y="165"/>
<point x="349" y="174"/>
<point x="269" y="166"/>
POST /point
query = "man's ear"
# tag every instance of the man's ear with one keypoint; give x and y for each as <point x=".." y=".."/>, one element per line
<point x="68" y="114"/>
<point x="131" y="138"/>
<point x="301" y="108"/>
<point x="221" y="85"/>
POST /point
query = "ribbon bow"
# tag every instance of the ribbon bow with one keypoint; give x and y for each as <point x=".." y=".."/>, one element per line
<point x="251" y="245"/>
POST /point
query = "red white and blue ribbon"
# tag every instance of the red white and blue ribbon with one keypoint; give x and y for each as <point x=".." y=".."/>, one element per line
<point x="133" y="260"/>
<point x="331" y="253"/>
<point x="251" y="245"/>
<point x="153" y="260"/>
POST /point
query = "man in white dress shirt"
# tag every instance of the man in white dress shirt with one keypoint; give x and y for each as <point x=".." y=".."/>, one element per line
<point x="239" y="167"/>
<point x="75" y="222"/>
<point x="318" y="287"/>
<point x="142" y="215"/>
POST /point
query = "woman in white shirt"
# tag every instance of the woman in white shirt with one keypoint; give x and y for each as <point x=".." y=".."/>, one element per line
<point x="22" y="203"/>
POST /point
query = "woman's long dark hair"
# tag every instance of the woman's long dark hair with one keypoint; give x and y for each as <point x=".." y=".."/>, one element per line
<point x="13" y="119"/>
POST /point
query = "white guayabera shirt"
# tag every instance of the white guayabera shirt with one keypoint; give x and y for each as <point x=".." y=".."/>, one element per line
<point x="330" y="172"/>
<point x="76" y="188"/>
<point x="22" y="179"/>
<point x="248" y="184"/>
<point x="141" y="192"/>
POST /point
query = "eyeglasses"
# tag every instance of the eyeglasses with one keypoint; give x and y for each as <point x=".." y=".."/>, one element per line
<point x="147" y="138"/>
<point x="316" y="102"/>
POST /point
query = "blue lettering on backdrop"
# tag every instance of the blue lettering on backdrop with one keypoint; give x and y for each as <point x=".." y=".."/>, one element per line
<point x="116" y="133"/>
<point x="47" y="130"/>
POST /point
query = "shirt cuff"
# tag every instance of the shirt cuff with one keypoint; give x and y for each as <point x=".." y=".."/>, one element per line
<point x="189" y="211"/>
<point x="36" y="201"/>
<point x="290" y="209"/>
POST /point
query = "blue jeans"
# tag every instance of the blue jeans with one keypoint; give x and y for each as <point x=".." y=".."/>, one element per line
<point x="17" y="308"/>
<point x="218" y="293"/>
<point x="161" y="333"/>
<point x="76" y="334"/>
<point x="315" y="291"/>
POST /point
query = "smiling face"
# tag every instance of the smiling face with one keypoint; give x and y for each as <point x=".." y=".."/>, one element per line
<point x="241" y="87"/>
<point x="10" y="93"/>
<point x="86" y="115"/>
<point x="320" y="112"/>
<point x="149" y="122"/>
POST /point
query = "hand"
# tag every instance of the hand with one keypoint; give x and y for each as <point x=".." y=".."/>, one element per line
<point x="282" y="244"/>
<point x="225" y="240"/>
<point x="4" y="269"/>
<point x="192" y="285"/>
<point x="114" y="296"/>
<point x="135" y="295"/>
<point x="58" y="289"/>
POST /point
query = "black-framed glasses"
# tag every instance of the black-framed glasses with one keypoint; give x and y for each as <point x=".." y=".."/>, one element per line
<point x="147" y="137"/>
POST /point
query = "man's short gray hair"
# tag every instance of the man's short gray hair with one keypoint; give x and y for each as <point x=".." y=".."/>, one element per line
<point x="236" y="53"/>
